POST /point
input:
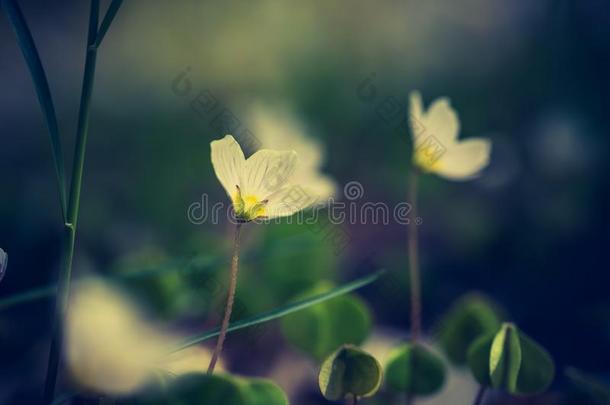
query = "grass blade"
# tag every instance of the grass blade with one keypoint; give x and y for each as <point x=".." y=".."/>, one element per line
<point x="38" y="293"/>
<point x="184" y="265"/>
<point x="283" y="311"/>
<point x="107" y="21"/>
<point x="30" y="53"/>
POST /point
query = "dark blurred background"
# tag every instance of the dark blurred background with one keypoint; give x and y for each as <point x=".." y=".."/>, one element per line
<point x="531" y="232"/>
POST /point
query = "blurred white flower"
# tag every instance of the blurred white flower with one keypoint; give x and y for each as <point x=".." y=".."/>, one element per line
<point x="261" y="186"/>
<point x="277" y="128"/>
<point x="436" y="145"/>
<point x="111" y="348"/>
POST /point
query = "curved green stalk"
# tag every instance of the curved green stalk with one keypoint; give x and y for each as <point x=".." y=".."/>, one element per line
<point x="41" y="84"/>
<point x="230" y="299"/>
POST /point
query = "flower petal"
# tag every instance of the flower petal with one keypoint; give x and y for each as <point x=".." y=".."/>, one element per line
<point x="321" y="188"/>
<point x="439" y="121"/>
<point x="289" y="200"/>
<point x="464" y="160"/>
<point x="228" y="161"/>
<point x="266" y="172"/>
<point x="277" y="127"/>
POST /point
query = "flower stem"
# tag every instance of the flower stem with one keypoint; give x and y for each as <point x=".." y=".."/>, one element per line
<point x="63" y="288"/>
<point x="480" y="395"/>
<point x="414" y="273"/>
<point x="230" y="299"/>
<point x="351" y="400"/>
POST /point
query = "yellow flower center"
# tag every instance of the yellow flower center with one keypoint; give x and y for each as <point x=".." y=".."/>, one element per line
<point x="427" y="158"/>
<point x="249" y="207"/>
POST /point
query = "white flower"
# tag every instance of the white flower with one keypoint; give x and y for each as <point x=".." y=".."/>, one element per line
<point x="111" y="348"/>
<point x="278" y="128"/>
<point x="436" y="145"/>
<point x="260" y="186"/>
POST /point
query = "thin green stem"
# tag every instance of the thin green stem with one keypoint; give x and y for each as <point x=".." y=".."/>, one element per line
<point x="230" y="299"/>
<point x="414" y="272"/>
<point x="480" y="395"/>
<point x="63" y="288"/>
<point x="82" y="132"/>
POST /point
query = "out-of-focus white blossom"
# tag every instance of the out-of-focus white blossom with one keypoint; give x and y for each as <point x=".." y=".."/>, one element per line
<point x="112" y="348"/>
<point x="279" y="129"/>
<point x="436" y="145"/>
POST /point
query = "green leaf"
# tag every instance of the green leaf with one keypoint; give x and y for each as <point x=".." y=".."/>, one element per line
<point x="199" y="388"/>
<point x="320" y="329"/>
<point x="32" y="58"/>
<point x="349" y="371"/>
<point x="265" y="392"/>
<point x="415" y="370"/>
<point x="537" y="367"/>
<point x="478" y="358"/>
<point x="285" y="310"/>
<point x="205" y="389"/>
<point x="510" y="360"/>
<point x="172" y="293"/>
<point x="505" y="358"/>
<point x="471" y="317"/>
